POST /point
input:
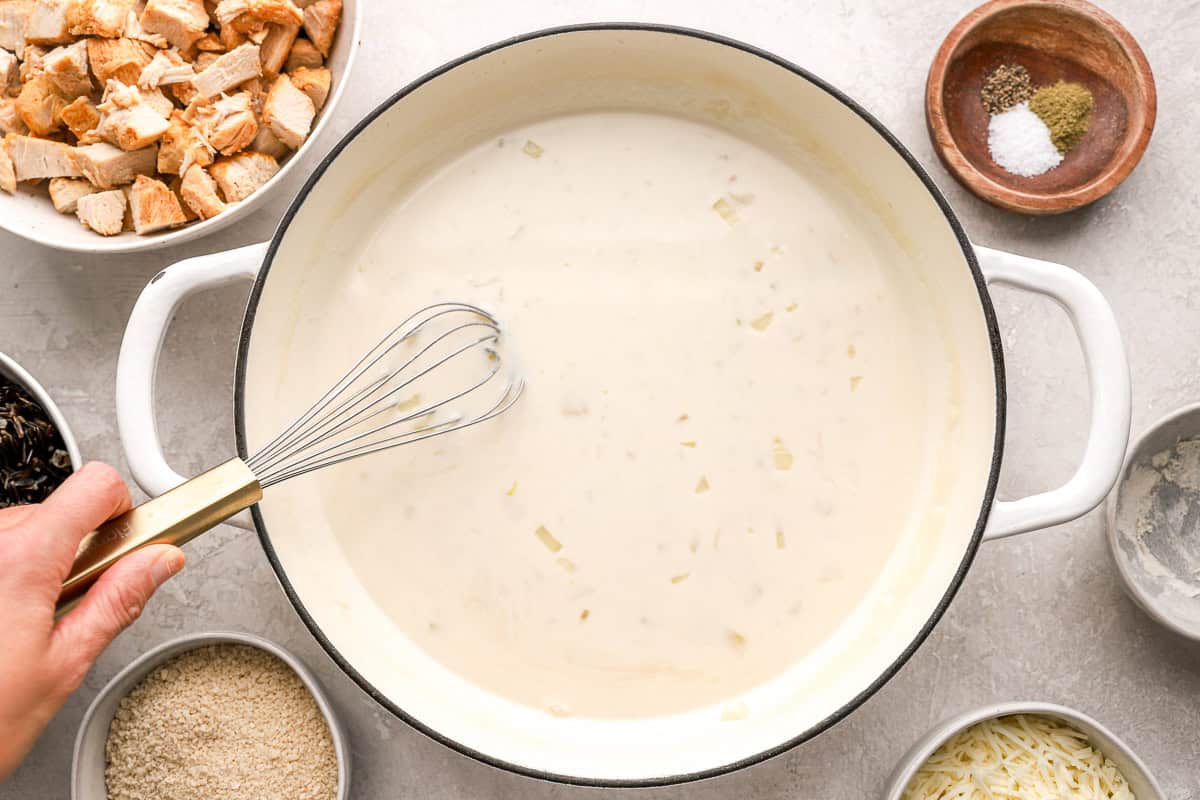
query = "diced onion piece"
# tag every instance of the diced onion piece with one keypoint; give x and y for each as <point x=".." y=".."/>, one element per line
<point x="734" y="711"/>
<point x="532" y="149"/>
<point x="552" y="544"/>
<point x="725" y="210"/>
<point x="760" y="324"/>
<point x="783" y="456"/>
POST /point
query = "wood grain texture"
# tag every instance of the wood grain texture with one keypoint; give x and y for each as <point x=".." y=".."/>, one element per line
<point x="1070" y="40"/>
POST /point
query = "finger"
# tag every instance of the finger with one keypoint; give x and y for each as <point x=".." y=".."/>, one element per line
<point x="113" y="603"/>
<point x="88" y="498"/>
<point x="13" y="516"/>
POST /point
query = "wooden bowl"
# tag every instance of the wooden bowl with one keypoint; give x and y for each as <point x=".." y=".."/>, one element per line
<point x="1070" y="40"/>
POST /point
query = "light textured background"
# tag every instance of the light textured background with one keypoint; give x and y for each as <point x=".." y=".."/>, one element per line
<point x="1040" y="617"/>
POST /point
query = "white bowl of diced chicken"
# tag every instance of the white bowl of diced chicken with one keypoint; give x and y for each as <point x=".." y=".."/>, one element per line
<point x="135" y="124"/>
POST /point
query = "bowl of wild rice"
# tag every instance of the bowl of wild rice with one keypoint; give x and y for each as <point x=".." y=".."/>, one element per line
<point x="212" y="716"/>
<point x="37" y="449"/>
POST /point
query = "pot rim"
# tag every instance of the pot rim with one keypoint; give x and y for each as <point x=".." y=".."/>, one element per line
<point x="988" y="494"/>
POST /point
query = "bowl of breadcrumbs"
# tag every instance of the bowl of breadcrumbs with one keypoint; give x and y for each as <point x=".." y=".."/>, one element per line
<point x="213" y="716"/>
<point x="134" y="124"/>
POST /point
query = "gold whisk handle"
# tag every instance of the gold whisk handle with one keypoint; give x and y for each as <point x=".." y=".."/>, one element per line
<point x="176" y="517"/>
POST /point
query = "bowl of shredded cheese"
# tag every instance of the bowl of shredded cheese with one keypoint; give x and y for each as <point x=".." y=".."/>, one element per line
<point x="1026" y="750"/>
<point x="212" y="716"/>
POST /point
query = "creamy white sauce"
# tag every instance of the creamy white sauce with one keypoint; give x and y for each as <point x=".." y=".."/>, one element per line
<point x="724" y="372"/>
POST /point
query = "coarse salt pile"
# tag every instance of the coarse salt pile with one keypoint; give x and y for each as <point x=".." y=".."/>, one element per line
<point x="218" y="723"/>
<point x="1020" y="142"/>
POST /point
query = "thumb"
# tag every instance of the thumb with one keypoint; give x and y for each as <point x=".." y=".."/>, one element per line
<point x="113" y="603"/>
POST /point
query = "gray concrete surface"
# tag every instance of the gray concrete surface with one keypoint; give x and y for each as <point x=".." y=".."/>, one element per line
<point x="1040" y="616"/>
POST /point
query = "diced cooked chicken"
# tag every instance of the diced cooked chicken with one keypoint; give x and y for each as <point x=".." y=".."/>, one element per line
<point x="167" y="67"/>
<point x="176" y="185"/>
<point x="181" y="22"/>
<point x="228" y="125"/>
<point x="10" y="120"/>
<point x="257" y="89"/>
<point x="154" y="206"/>
<point x="232" y="68"/>
<point x="184" y="93"/>
<point x="227" y="62"/>
<point x="182" y="145"/>
<point x="276" y="46"/>
<point x="40" y="105"/>
<point x="80" y="116"/>
<point x="14" y="19"/>
<point x="288" y="112"/>
<point x="313" y="82"/>
<point x="268" y="143"/>
<point x="40" y="158"/>
<point x="134" y="29"/>
<point x="122" y="59"/>
<point x="65" y="193"/>
<point x="231" y="38"/>
<point x="49" y="22"/>
<point x="108" y="166"/>
<point x="127" y="120"/>
<point x="158" y="101"/>
<point x="10" y="73"/>
<point x="98" y="17"/>
<point x="199" y="192"/>
<point x="32" y="62"/>
<point x="67" y="66"/>
<point x="8" y="175"/>
<point x="242" y="175"/>
<point x="282" y="12"/>
<point x="211" y="43"/>
<point x="103" y="212"/>
<point x="304" y="54"/>
<point x="320" y="23"/>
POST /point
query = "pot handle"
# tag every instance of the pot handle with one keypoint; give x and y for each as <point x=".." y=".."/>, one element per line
<point x="1108" y="373"/>
<point x="140" y="349"/>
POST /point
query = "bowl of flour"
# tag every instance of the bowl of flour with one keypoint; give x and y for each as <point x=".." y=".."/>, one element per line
<point x="1154" y="521"/>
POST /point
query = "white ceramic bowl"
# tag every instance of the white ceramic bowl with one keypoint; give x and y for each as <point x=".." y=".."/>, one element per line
<point x="1141" y="782"/>
<point x="87" y="768"/>
<point x="1164" y="591"/>
<point x="29" y="213"/>
<point x="15" y="373"/>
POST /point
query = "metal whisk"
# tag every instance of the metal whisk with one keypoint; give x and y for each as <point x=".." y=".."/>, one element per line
<point x="377" y="405"/>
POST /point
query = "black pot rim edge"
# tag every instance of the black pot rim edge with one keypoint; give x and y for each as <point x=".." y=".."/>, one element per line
<point x="989" y="493"/>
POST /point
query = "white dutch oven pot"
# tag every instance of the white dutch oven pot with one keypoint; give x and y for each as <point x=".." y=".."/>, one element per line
<point x="670" y="70"/>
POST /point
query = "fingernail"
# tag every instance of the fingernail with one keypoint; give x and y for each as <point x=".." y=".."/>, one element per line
<point x="167" y="565"/>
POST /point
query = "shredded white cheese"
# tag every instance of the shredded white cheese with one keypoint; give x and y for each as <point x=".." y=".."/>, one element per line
<point x="1019" y="757"/>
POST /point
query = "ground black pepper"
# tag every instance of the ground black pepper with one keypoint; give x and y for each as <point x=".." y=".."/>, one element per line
<point x="1004" y="87"/>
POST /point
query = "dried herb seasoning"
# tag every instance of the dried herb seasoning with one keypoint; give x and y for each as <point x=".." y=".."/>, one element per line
<point x="33" y="458"/>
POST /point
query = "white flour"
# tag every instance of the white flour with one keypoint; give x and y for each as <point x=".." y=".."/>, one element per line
<point x="1158" y="528"/>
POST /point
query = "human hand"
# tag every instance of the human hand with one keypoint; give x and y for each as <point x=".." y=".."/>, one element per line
<point x="41" y="662"/>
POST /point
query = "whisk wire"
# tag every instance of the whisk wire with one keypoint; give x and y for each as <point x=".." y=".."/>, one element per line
<point x="343" y="417"/>
<point x="369" y="359"/>
<point x="338" y="426"/>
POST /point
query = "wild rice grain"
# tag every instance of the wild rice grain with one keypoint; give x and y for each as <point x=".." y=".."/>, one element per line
<point x="218" y="723"/>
